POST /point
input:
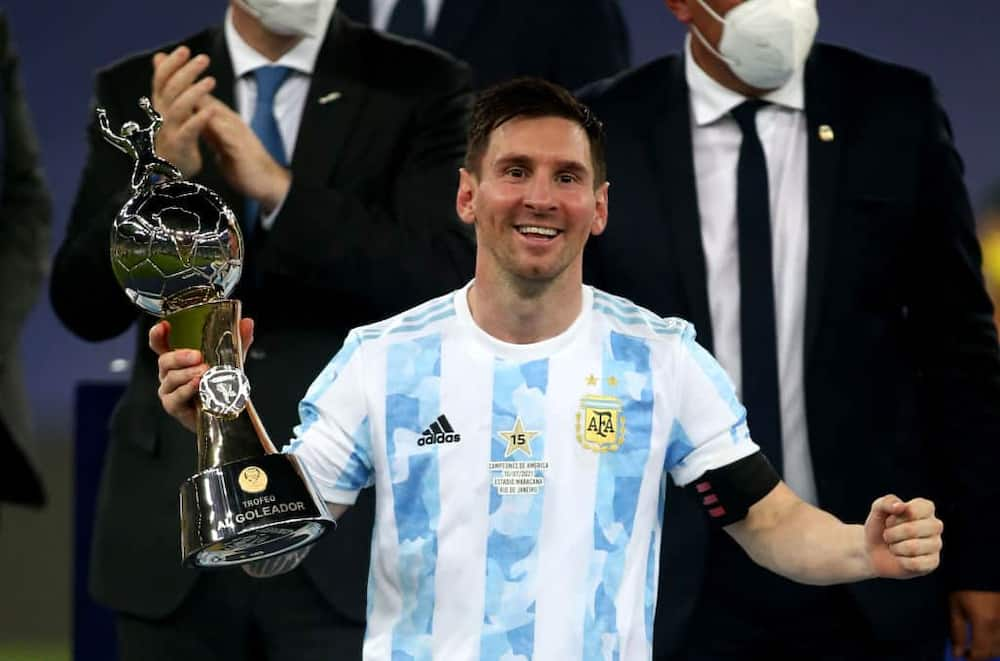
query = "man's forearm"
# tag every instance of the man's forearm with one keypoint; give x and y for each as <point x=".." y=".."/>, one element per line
<point x="803" y="543"/>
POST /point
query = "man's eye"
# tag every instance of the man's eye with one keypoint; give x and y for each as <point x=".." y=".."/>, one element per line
<point x="566" y="178"/>
<point x="516" y="172"/>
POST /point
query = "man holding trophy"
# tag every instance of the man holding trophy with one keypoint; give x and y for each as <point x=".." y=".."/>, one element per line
<point x="517" y="431"/>
<point x="340" y="171"/>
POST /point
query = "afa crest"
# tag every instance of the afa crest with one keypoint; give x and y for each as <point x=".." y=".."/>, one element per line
<point x="600" y="425"/>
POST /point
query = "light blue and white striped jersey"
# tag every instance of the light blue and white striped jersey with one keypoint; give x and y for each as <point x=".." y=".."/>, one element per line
<point x="519" y="488"/>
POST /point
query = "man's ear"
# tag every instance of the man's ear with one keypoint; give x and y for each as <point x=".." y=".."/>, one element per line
<point x="466" y="197"/>
<point x="600" y="210"/>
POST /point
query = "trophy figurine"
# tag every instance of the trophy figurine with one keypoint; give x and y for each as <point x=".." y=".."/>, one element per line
<point x="177" y="251"/>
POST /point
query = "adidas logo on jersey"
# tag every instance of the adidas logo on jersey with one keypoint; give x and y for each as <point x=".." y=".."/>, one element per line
<point x="439" y="431"/>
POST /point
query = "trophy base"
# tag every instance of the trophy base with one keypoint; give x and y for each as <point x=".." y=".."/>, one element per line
<point x="248" y="510"/>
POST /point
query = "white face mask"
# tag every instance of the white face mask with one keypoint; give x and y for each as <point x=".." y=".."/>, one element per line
<point x="307" y="18"/>
<point x="764" y="41"/>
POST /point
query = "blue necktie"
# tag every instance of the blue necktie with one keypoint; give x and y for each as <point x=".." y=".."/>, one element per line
<point x="408" y="19"/>
<point x="265" y="126"/>
<point x="758" y="337"/>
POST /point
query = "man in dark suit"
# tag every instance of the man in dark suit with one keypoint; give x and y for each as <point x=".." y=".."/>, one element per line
<point x="358" y="224"/>
<point x="868" y="342"/>
<point x="570" y="42"/>
<point x="25" y="218"/>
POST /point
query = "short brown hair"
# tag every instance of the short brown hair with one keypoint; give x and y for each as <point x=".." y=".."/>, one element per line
<point x="531" y="97"/>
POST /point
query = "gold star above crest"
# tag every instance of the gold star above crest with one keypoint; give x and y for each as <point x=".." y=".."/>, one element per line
<point x="612" y="381"/>
<point x="518" y="439"/>
<point x="591" y="380"/>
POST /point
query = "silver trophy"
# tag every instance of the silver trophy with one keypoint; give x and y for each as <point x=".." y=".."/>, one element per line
<point x="177" y="251"/>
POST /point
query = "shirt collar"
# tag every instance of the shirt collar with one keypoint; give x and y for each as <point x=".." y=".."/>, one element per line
<point x="711" y="101"/>
<point x="301" y="58"/>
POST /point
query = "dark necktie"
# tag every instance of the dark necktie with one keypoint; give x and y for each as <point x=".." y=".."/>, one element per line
<point x="408" y="19"/>
<point x="758" y="338"/>
<point x="265" y="126"/>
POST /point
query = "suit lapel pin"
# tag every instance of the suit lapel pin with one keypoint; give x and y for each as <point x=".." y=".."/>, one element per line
<point x="328" y="98"/>
<point x="825" y="133"/>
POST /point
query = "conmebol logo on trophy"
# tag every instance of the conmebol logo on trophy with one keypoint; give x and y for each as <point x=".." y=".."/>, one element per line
<point x="177" y="251"/>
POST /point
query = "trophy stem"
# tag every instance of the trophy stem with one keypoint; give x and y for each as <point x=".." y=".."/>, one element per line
<point x="213" y="329"/>
<point x="246" y="502"/>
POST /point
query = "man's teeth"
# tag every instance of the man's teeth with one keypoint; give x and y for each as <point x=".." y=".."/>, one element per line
<point x="544" y="231"/>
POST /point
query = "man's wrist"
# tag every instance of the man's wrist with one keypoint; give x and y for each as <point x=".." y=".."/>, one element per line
<point x="281" y="182"/>
<point x="865" y="560"/>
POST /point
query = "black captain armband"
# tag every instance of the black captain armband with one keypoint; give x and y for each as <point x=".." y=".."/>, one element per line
<point x="727" y="493"/>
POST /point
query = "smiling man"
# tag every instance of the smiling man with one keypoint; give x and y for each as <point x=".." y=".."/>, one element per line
<point x="517" y="431"/>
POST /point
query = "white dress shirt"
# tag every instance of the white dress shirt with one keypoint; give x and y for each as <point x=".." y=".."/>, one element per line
<point x="290" y="99"/>
<point x="382" y="12"/>
<point x="716" y="142"/>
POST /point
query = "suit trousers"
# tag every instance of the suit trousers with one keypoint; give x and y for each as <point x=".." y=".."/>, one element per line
<point x="230" y="616"/>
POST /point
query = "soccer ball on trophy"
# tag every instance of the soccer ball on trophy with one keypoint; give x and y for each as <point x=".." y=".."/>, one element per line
<point x="175" y="245"/>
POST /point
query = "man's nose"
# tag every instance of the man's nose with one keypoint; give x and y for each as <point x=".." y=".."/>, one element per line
<point x="540" y="196"/>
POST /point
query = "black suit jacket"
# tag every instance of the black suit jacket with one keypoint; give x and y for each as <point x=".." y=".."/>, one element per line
<point x="368" y="229"/>
<point x="25" y="218"/>
<point x="569" y="42"/>
<point x="902" y="378"/>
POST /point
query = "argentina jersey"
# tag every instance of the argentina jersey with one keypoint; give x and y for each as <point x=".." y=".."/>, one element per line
<point x="519" y="488"/>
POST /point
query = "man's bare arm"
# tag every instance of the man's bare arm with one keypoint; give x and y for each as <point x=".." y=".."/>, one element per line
<point x="790" y="537"/>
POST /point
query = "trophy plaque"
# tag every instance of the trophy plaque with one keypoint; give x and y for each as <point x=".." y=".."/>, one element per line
<point x="177" y="251"/>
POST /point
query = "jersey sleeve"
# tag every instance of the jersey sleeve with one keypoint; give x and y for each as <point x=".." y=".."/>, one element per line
<point x="333" y="437"/>
<point x="709" y="429"/>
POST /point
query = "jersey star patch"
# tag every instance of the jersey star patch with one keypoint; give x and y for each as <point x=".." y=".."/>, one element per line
<point x="517" y="439"/>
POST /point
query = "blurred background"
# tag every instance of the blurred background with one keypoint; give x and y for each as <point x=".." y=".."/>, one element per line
<point x="61" y="43"/>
